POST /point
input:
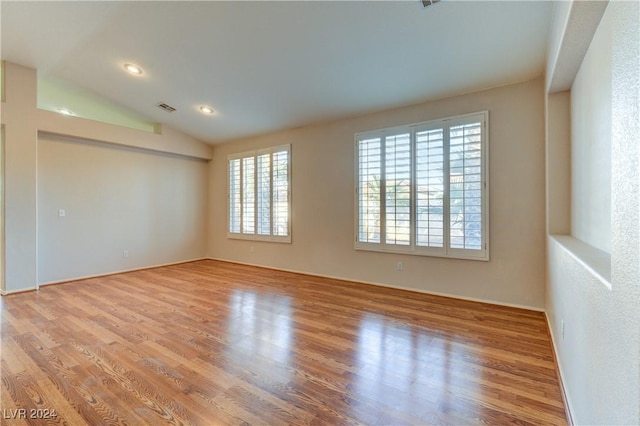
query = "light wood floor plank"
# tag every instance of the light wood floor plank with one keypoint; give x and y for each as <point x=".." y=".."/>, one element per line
<point x="210" y="342"/>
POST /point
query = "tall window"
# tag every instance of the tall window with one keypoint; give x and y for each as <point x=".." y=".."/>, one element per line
<point x="422" y="188"/>
<point x="259" y="183"/>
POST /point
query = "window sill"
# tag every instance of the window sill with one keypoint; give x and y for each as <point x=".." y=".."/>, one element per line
<point x="594" y="260"/>
<point x="252" y="237"/>
<point x="482" y="255"/>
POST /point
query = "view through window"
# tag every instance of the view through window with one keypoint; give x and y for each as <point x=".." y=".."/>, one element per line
<point x="259" y="193"/>
<point x="422" y="188"/>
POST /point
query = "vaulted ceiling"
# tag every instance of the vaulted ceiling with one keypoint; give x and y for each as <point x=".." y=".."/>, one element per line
<point x="265" y="66"/>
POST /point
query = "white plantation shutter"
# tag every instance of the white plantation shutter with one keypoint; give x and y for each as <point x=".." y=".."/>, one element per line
<point x="264" y="194"/>
<point x="465" y="186"/>
<point x="397" y="189"/>
<point x="258" y="186"/>
<point x="281" y="193"/>
<point x="248" y="195"/>
<point x="430" y="187"/>
<point x="423" y="188"/>
<point x="235" y="205"/>
<point x="369" y="190"/>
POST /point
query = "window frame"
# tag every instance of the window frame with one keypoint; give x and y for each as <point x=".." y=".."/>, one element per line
<point x="255" y="236"/>
<point x="412" y="248"/>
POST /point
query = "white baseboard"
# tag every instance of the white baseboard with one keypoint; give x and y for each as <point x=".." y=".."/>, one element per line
<point x="120" y="272"/>
<point x="20" y="290"/>
<point x="563" y="389"/>
<point x="415" y="290"/>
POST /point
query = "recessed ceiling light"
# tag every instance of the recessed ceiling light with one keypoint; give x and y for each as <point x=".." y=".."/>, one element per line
<point x="206" y="110"/>
<point x="133" y="69"/>
<point x="64" y="111"/>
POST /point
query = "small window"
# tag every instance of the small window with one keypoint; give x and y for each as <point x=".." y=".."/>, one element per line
<point x="259" y="195"/>
<point x="422" y="188"/>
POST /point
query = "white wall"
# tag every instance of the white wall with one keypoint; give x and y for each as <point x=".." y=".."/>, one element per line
<point x="58" y="250"/>
<point x="323" y="203"/>
<point x="599" y="355"/>
<point x="152" y="205"/>
<point x="18" y="118"/>
<point x="558" y="124"/>
<point x="591" y="144"/>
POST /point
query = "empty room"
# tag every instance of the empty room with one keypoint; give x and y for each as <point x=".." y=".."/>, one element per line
<point x="410" y="212"/>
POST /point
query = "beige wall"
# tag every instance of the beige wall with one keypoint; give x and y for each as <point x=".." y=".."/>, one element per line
<point x="558" y="123"/>
<point x="591" y="144"/>
<point x="599" y="351"/>
<point x="150" y="204"/>
<point x="34" y="242"/>
<point x="18" y="118"/>
<point x="323" y="203"/>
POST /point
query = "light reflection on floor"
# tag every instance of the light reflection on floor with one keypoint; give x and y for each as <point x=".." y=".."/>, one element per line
<point x="395" y="367"/>
<point x="396" y="361"/>
<point x="260" y="325"/>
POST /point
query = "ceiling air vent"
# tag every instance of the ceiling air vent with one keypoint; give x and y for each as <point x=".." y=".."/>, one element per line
<point x="166" y="107"/>
<point x="426" y="3"/>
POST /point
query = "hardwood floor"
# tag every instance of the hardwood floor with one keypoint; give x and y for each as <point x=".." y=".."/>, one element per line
<point x="210" y="342"/>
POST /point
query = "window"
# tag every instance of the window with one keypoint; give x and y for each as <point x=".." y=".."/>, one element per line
<point x="259" y="195"/>
<point x="422" y="188"/>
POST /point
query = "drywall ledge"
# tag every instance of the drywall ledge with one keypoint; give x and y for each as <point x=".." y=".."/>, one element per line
<point x="170" y="141"/>
<point x="576" y="22"/>
<point x="594" y="260"/>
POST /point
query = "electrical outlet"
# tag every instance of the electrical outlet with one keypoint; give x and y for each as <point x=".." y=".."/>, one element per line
<point x="62" y="213"/>
<point x="125" y="254"/>
<point x="399" y="266"/>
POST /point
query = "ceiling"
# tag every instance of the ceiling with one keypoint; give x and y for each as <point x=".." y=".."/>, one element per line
<point x="265" y="66"/>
